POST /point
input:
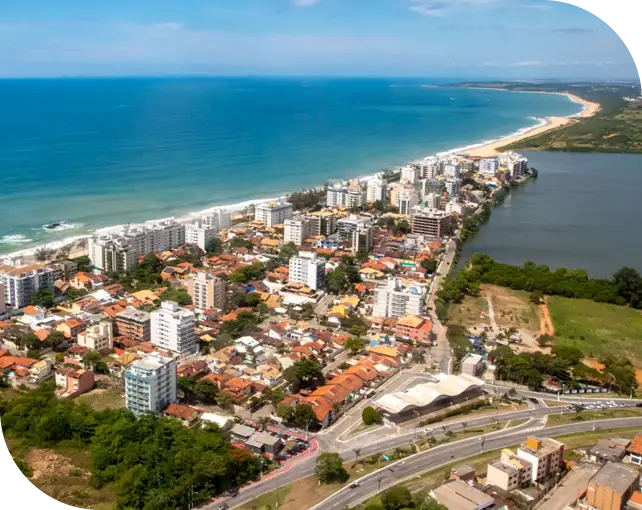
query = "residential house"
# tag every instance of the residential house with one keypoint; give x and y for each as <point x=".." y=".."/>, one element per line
<point x="414" y="328"/>
<point x="71" y="327"/>
<point x="186" y="414"/>
<point x="78" y="382"/>
<point x="634" y="450"/>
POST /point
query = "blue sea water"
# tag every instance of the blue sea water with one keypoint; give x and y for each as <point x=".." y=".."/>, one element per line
<point x="101" y="152"/>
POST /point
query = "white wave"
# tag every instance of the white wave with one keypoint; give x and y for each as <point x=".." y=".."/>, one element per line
<point x="15" y="239"/>
<point x="62" y="227"/>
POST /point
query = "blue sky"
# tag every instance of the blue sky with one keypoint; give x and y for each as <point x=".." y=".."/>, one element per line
<point x="427" y="38"/>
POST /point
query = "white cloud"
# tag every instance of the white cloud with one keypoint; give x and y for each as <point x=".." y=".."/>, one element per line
<point x="441" y="7"/>
<point x="305" y="3"/>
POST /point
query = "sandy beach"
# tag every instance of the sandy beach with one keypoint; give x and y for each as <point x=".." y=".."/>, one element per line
<point x="548" y="123"/>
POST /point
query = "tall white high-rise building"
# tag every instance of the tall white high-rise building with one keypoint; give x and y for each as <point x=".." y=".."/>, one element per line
<point x="362" y="238"/>
<point x="409" y="174"/>
<point x="452" y="169"/>
<point x="407" y="201"/>
<point x="274" y="213"/>
<point x="150" y="384"/>
<point x="488" y="166"/>
<point x="298" y="230"/>
<point x="218" y="219"/>
<point x="173" y="329"/>
<point x="119" y="252"/>
<point x="376" y="190"/>
<point x="308" y="269"/>
<point x="322" y="223"/>
<point x="337" y="197"/>
<point x="515" y="163"/>
<point x="21" y="284"/>
<point x="453" y="187"/>
<point x="430" y="168"/>
<point x="207" y="291"/>
<point x="392" y="299"/>
<point x="199" y="234"/>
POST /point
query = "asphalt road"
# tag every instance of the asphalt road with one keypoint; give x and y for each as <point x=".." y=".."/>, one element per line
<point x="583" y="398"/>
<point x="369" y="445"/>
<point x="446" y="454"/>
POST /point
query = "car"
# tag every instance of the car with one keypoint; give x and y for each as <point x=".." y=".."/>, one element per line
<point x="427" y="431"/>
<point x="354" y="485"/>
<point x="533" y="400"/>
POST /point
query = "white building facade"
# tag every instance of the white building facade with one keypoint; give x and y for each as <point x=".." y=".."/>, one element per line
<point x="392" y="299"/>
<point x="150" y="384"/>
<point x="298" y="230"/>
<point x="308" y="269"/>
<point x="273" y="213"/>
<point x="376" y="190"/>
<point x="21" y="284"/>
<point x="172" y="329"/>
<point x="207" y="291"/>
<point x="199" y="234"/>
<point x="99" y="337"/>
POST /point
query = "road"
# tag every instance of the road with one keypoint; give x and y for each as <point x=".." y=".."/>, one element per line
<point x="369" y="445"/>
<point x="446" y="454"/>
<point x="582" y="399"/>
<point x="440" y="353"/>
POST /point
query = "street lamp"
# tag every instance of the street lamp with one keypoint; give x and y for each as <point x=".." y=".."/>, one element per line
<point x="307" y="424"/>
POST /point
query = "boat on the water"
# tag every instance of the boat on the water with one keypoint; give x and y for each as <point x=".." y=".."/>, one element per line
<point x="54" y="225"/>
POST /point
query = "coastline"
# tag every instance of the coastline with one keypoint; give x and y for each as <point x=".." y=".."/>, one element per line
<point x="482" y="149"/>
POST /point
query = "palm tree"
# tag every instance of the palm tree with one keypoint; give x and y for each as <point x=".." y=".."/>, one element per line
<point x="263" y="422"/>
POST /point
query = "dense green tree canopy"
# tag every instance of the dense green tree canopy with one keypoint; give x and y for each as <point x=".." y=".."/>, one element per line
<point x="330" y="469"/>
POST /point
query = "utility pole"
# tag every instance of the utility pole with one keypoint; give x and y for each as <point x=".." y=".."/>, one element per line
<point x="277" y="492"/>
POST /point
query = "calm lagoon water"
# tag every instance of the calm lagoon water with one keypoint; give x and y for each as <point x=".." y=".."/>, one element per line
<point x="584" y="211"/>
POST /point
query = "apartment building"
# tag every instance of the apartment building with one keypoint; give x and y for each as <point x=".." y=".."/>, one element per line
<point x="119" y="251"/>
<point x="308" y="269"/>
<point x="409" y="175"/>
<point x="298" y="230"/>
<point x="452" y="169"/>
<point x="200" y="234"/>
<point x="64" y="270"/>
<point x="514" y="163"/>
<point x="488" y="166"/>
<point x="432" y="223"/>
<point x="429" y="168"/>
<point x="217" y="219"/>
<point x="362" y="239"/>
<point x="346" y="226"/>
<point x="99" y="337"/>
<point x="611" y="487"/>
<point x="432" y="201"/>
<point x="150" y="384"/>
<point x="545" y="455"/>
<point x="322" y="223"/>
<point x="407" y="201"/>
<point x="414" y="328"/>
<point x="207" y="291"/>
<point x="453" y="187"/>
<point x="509" y="472"/>
<point x="134" y="325"/>
<point x="392" y="299"/>
<point x="172" y="329"/>
<point x="273" y="213"/>
<point x="376" y="190"/>
<point x="22" y="283"/>
<point x="431" y="186"/>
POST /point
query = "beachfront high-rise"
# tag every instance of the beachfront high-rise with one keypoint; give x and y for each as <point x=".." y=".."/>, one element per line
<point x="409" y="175"/>
<point x="452" y="169"/>
<point x="453" y="187"/>
<point x="514" y="163"/>
<point x="207" y="291"/>
<point x="376" y="190"/>
<point x="298" y="230"/>
<point x="21" y="284"/>
<point x="218" y="219"/>
<point x="150" y="384"/>
<point x="119" y="251"/>
<point x="308" y="269"/>
<point x="350" y="196"/>
<point x="273" y="213"/>
<point x="407" y="201"/>
<point x="429" y="168"/>
<point x="488" y="166"/>
<point x="173" y="329"/>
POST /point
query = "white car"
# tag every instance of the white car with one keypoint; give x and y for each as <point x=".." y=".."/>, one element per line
<point x="427" y="431"/>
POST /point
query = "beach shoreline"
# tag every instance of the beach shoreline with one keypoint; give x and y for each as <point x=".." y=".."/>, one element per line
<point x="481" y="149"/>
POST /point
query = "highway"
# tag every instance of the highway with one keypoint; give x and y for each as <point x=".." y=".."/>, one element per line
<point x="370" y="444"/>
<point x="446" y="454"/>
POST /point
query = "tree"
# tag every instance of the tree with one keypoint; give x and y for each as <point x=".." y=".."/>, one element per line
<point x="214" y="247"/>
<point x="205" y="390"/>
<point x="95" y="362"/>
<point x="354" y="344"/>
<point x="288" y="251"/>
<point x="629" y="284"/>
<point x="177" y="294"/>
<point x="43" y="254"/>
<point x="337" y="281"/>
<point x="370" y="416"/>
<point x="430" y="265"/>
<point x="285" y="412"/>
<point x="304" y="373"/>
<point x="431" y="504"/>
<point x="397" y="498"/>
<point x="263" y="423"/>
<point x="275" y="397"/>
<point x="329" y="469"/>
<point x="44" y="298"/>
<point x="304" y="417"/>
<point x="362" y="256"/>
<point x="224" y="399"/>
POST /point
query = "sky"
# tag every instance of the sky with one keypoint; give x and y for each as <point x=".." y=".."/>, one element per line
<point x="512" y="39"/>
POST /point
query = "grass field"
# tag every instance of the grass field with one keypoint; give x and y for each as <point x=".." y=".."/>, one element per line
<point x="556" y="419"/>
<point x="99" y="399"/>
<point x="598" y="328"/>
<point x="471" y="312"/>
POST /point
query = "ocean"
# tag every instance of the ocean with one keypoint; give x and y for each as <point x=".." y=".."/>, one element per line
<point x="582" y="212"/>
<point x="102" y="152"/>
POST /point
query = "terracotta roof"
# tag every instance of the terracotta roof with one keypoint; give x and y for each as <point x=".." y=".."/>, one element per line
<point x="320" y="406"/>
<point x="31" y="310"/>
<point x="412" y="321"/>
<point x="42" y="334"/>
<point x="348" y="381"/>
<point x="181" y="412"/>
<point x="636" y="497"/>
<point x="636" y="445"/>
<point x="335" y="394"/>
